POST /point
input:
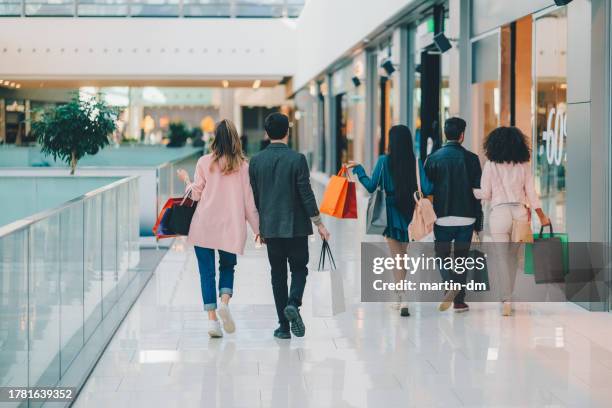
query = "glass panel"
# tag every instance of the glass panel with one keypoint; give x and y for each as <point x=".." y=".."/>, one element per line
<point x="207" y="8"/>
<point x="103" y="7"/>
<point x="134" y="227"/>
<point x="10" y="8"/>
<point x="164" y="189"/>
<point x="14" y="310"/>
<point x="71" y="283"/>
<point x="155" y="8"/>
<point x="93" y="264"/>
<point x="123" y="237"/>
<point x="44" y="298"/>
<point x="550" y="58"/>
<point x="109" y="250"/>
<point x="49" y="8"/>
<point x="268" y="8"/>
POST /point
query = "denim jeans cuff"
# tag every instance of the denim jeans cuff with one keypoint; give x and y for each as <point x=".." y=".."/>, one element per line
<point x="210" y="306"/>
<point x="225" y="291"/>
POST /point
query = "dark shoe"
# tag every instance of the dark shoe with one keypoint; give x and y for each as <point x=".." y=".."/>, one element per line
<point x="282" y="333"/>
<point x="295" y="320"/>
<point x="460" y="307"/>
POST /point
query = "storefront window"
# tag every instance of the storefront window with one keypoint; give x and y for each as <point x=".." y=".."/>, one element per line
<point x="550" y="139"/>
<point x="350" y="111"/>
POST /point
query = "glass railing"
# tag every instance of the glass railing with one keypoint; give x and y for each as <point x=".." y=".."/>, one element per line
<point x="62" y="270"/>
<point x="153" y="8"/>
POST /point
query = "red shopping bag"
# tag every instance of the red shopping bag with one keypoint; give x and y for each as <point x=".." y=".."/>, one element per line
<point x="340" y="198"/>
<point x="350" y="204"/>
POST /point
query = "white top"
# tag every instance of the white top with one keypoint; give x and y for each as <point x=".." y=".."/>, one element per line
<point x="506" y="183"/>
<point x="453" y="221"/>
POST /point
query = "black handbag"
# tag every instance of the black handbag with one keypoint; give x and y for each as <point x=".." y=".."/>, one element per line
<point x="180" y="216"/>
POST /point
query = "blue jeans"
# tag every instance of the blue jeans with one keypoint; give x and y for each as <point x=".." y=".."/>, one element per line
<point x="206" y="264"/>
<point x="462" y="235"/>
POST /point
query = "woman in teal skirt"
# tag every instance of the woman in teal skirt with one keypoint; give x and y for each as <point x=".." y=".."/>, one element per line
<point x="396" y="173"/>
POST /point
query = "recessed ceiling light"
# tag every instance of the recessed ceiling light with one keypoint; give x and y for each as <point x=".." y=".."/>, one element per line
<point x="225" y="83"/>
<point x="12" y="84"/>
<point x="256" y="84"/>
<point x="18" y="86"/>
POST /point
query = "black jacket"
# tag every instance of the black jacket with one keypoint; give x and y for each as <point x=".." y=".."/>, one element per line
<point x="454" y="172"/>
<point x="280" y="179"/>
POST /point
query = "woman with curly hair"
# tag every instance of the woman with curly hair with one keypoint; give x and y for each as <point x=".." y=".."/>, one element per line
<point x="507" y="183"/>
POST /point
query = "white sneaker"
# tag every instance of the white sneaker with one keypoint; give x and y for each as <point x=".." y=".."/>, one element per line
<point x="214" y="329"/>
<point x="226" y="316"/>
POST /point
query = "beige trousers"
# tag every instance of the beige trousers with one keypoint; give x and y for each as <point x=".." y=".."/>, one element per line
<point x="508" y="258"/>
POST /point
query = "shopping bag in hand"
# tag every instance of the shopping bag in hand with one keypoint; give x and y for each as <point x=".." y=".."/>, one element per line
<point x="168" y="221"/>
<point x="376" y="215"/>
<point x="181" y="215"/>
<point x="547" y="258"/>
<point x="327" y="286"/>
<point x="340" y="198"/>
<point x="475" y="274"/>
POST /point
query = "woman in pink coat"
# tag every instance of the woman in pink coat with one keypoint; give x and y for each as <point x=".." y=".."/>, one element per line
<point x="225" y="204"/>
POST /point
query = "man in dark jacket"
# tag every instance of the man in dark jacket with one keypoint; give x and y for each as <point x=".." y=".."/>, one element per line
<point x="454" y="172"/>
<point x="280" y="179"/>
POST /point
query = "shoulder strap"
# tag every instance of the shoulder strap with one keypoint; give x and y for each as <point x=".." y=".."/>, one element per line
<point x="418" y="176"/>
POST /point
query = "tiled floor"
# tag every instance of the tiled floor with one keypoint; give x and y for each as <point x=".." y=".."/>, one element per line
<point x="546" y="355"/>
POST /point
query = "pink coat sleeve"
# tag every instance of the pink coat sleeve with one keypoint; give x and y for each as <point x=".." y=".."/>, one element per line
<point x="252" y="215"/>
<point x="532" y="195"/>
<point x="484" y="192"/>
<point x="199" y="181"/>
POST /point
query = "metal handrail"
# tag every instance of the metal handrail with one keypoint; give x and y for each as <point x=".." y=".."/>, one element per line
<point x="72" y="8"/>
<point x="39" y="216"/>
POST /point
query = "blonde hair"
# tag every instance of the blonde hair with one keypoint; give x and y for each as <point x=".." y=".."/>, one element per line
<point x="227" y="148"/>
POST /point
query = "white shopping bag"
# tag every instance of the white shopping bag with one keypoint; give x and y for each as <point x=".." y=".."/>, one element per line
<point x="327" y="286"/>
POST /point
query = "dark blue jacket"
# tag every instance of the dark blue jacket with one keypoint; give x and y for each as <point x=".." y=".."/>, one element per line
<point x="454" y="172"/>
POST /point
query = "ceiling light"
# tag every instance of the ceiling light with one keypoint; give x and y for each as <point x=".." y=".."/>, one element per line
<point x="256" y="84"/>
<point x="225" y="83"/>
<point x="18" y="86"/>
<point x="12" y="84"/>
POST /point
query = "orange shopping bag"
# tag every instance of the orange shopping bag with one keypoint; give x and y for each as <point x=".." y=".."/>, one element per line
<point x="336" y="195"/>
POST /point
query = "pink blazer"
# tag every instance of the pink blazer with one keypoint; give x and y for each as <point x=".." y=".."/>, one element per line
<point x="225" y="204"/>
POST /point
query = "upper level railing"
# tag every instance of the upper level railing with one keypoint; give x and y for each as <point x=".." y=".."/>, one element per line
<point x="152" y="8"/>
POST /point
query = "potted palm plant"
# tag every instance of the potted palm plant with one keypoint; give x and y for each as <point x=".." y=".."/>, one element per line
<point x="80" y="127"/>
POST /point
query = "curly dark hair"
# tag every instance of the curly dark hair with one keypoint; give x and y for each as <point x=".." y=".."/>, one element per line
<point x="507" y="145"/>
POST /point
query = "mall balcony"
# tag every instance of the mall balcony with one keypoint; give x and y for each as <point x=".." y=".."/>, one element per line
<point x="97" y="303"/>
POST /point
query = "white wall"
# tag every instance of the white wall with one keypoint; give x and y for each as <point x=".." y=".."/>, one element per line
<point x="126" y="48"/>
<point x="327" y="29"/>
<point x="177" y="48"/>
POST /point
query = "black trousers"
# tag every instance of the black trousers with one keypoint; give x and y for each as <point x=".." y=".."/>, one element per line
<point x="295" y="252"/>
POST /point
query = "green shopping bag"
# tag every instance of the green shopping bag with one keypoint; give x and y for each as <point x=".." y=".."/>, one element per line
<point x="543" y="237"/>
